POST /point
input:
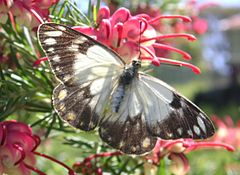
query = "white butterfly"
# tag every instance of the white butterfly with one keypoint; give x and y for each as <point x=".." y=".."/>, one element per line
<point x="97" y="88"/>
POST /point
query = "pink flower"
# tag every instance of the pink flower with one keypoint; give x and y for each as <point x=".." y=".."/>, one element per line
<point x="16" y="145"/>
<point x="134" y="36"/>
<point x="176" y="150"/>
<point x="227" y="132"/>
<point x="17" y="150"/>
<point x="26" y="12"/>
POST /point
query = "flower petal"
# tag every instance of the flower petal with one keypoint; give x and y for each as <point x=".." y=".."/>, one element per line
<point x="17" y="126"/>
<point x="120" y="16"/>
<point x="103" y="13"/>
<point x="132" y="29"/>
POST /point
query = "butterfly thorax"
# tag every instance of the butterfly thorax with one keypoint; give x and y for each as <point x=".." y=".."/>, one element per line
<point x="125" y="79"/>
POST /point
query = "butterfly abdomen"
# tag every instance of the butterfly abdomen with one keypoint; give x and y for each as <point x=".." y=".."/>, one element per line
<point x="124" y="80"/>
<point x="117" y="97"/>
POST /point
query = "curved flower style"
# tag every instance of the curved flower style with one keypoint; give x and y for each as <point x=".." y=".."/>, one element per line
<point x="227" y="132"/>
<point x="176" y="150"/>
<point x="17" y="150"/>
<point x="135" y="37"/>
<point x="29" y="13"/>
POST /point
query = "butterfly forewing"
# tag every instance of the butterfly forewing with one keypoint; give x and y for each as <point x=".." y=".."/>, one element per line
<point x="75" y="57"/>
<point x="130" y="119"/>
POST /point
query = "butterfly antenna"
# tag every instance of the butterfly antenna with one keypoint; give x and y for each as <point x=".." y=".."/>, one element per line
<point x="140" y="35"/>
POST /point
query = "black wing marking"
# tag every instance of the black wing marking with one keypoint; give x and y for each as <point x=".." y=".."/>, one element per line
<point x="73" y="105"/>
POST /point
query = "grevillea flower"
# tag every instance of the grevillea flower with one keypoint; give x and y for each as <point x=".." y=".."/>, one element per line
<point x="135" y="37"/>
<point x="26" y="12"/>
<point x="16" y="145"/>
<point x="227" y="132"/>
<point x="176" y="150"/>
<point x="17" y="150"/>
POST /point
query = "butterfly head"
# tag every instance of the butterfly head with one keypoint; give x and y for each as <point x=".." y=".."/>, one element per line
<point x="136" y="64"/>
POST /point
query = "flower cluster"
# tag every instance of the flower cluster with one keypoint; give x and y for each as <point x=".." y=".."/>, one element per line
<point x="17" y="150"/>
<point x="135" y="37"/>
<point x="176" y="150"/>
<point x="17" y="144"/>
<point x="28" y="13"/>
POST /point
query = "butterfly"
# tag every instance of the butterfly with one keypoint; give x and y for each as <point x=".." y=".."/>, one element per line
<point x="97" y="89"/>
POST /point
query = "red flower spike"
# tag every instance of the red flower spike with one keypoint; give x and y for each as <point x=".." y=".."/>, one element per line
<point x="175" y="35"/>
<point x="195" y="69"/>
<point x="184" y="18"/>
<point x="163" y="46"/>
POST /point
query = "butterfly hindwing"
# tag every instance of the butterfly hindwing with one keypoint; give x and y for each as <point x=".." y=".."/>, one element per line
<point x="73" y="105"/>
<point x="127" y="130"/>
